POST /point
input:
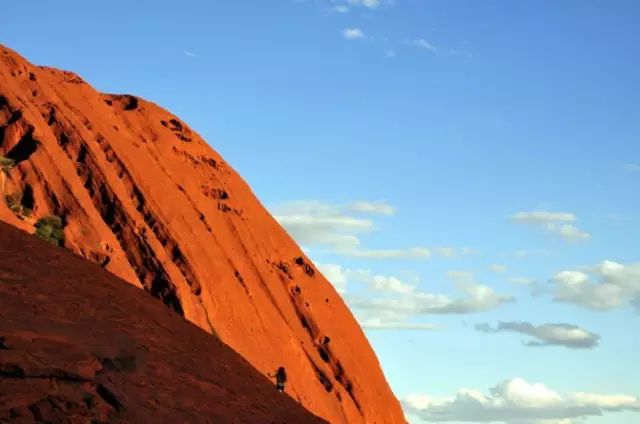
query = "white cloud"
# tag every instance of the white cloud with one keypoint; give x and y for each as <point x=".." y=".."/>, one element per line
<point x="340" y="9"/>
<point x="516" y="401"/>
<point x="568" y="232"/>
<point x="498" y="268"/>
<point x="560" y="334"/>
<point x="391" y="53"/>
<point x="382" y="282"/>
<point x="339" y="228"/>
<point x="421" y="43"/>
<point x="632" y="167"/>
<point x="544" y="217"/>
<point x="189" y="53"/>
<point x="379" y="324"/>
<point x="608" y="285"/>
<point x="474" y="297"/>
<point x="353" y="33"/>
<point x="558" y="223"/>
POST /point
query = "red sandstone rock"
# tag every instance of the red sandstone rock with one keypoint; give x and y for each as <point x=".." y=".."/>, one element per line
<point x="79" y="345"/>
<point x="144" y="196"/>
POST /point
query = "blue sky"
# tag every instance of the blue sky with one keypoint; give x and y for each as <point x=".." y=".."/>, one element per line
<point x="465" y="172"/>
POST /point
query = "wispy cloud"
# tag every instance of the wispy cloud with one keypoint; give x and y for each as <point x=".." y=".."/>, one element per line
<point x="542" y="217"/>
<point x="379" y="324"/>
<point x="381" y="208"/>
<point x="606" y="286"/>
<point x="560" y="334"/>
<point x="524" y="281"/>
<point x="340" y="8"/>
<point x="461" y="53"/>
<point x="631" y="167"/>
<point x="371" y="4"/>
<point x="339" y="228"/>
<point x="526" y="253"/>
<point x="499" y="268"/>
<point x="189" y="53"/>
<point x="353" y="34"/>
<point x="516" y="401"/>
<point x="557" y="223"/>
<point x="421" y="43"/>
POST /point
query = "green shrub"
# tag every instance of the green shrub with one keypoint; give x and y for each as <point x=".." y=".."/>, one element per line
<point x="6" y="164"/>
<point x="51" y="229"/>
<point x="14" y="202"/>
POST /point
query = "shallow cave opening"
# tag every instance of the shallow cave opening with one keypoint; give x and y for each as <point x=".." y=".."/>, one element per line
<point x="24" y="149"/>
<point x="131" y="103"/>
<point x="27" y="201"/>
<point x="15" y="117"/>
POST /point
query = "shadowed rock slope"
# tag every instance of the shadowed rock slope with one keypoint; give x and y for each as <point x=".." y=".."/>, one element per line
<point x="141" y="194"/>
<point x="78" y="344"/>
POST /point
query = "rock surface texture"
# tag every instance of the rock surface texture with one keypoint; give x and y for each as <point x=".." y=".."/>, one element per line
<point x="79" y="345"/>
<point x="142" y="195"/>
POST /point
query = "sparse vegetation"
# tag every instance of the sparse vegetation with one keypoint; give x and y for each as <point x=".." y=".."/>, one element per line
<point x="14" y="202"/>
<point x="51" y="229"/>
<point x="6" y="164"/>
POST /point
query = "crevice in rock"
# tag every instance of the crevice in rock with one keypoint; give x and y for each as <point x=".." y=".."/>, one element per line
<point x="109" y="397"/>
<point x="25" y="147"/>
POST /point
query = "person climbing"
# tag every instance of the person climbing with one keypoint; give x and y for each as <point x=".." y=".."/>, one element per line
<point x="281" y="378"/>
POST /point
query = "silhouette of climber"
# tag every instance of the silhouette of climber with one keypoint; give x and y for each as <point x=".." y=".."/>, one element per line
<point x="281" y="378"/>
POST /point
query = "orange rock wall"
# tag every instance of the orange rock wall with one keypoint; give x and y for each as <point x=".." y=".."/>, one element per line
<point x="144" y="196"/>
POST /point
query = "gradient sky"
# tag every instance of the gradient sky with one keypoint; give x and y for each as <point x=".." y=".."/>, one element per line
<point x="465" y="172"/>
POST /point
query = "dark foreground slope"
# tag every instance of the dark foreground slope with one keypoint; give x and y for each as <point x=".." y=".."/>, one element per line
<point x="78" y="344"/>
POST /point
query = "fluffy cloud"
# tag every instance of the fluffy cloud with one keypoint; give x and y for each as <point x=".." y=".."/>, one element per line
<point x="474" y="297"/>
<point x="340" y="276"/>
<point x="341" y="8"/>
<point x="557" y="223"/>
<point x="517" y="401"/>
<point x="421" y="43"/>
<point x="382" y="282"/>
<point x="608" y="285"/>
<point x="353" y="33"/>
<point x="339" y="228"/>
<point x="566" y="335"/>
<point x="568" y="232"/>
